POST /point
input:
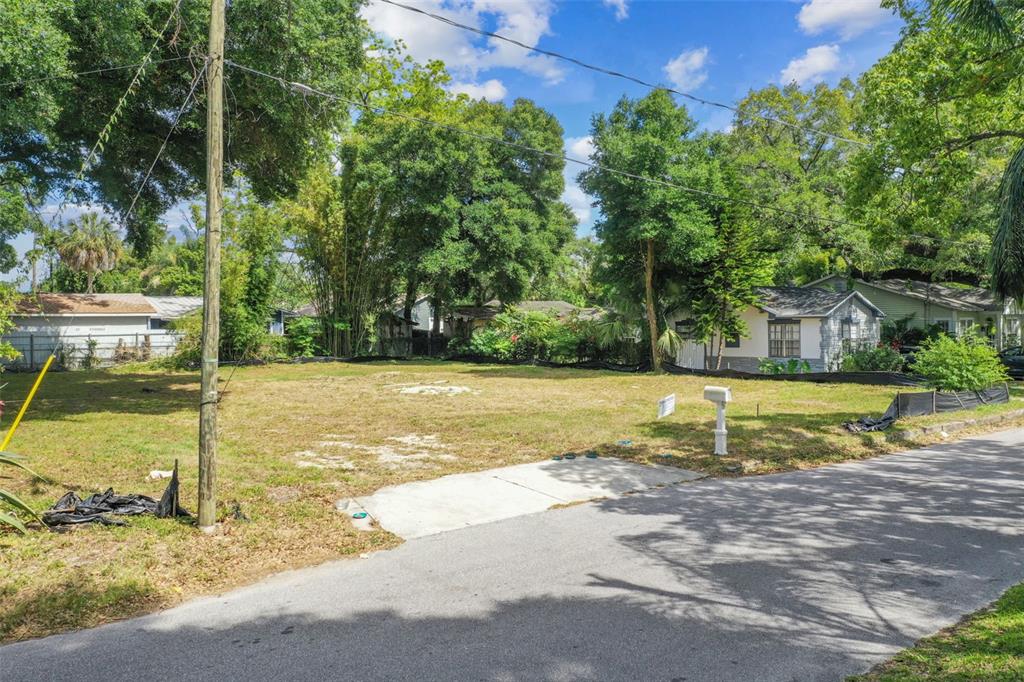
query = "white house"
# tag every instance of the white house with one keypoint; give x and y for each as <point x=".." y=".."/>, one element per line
<point x="110" y="327"/>
<point x="813" y="325"/>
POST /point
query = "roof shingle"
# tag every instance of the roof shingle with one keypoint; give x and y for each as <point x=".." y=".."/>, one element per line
<point x="84" y="304"/>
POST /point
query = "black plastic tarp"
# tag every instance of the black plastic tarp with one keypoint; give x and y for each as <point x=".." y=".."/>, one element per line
<point x="930" y="402"/>
<point x="103" y="507"/>
<point x="869" y="378"/>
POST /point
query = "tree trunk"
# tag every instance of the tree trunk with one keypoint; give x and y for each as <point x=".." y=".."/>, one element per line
<point x="435" y="304"/>
<point x="721" y="340"/>
<point x="652" y="320"/>
<point x="410" y="301"/>
<point x="90" y="279"/>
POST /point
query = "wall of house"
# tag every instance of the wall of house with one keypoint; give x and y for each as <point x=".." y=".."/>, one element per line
<point x="865" y="330"/>
<point x="114" y="336"/>
<point x="423" y="316"/>
<point x="896" y="307"/>
<point x="752" y="348"/>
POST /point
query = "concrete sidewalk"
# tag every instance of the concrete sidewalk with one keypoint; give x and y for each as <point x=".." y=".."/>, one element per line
<point x="458" y="501"/>
<point x="809" y="575"/>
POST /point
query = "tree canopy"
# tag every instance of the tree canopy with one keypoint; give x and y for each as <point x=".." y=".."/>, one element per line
<point x="942" y="112"/>
<point x="653" y="234"/>
<point x="47" y="117"/>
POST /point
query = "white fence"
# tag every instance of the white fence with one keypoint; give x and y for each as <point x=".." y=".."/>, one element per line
<point x="75" y="351"/>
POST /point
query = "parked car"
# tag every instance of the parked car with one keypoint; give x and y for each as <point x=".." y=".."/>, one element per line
<point x="1013" y="359"/>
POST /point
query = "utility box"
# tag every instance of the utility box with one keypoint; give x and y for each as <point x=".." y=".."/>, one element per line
<point x="717" y="394"/>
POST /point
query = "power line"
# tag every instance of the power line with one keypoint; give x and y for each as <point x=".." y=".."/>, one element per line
<point x="618" y="74"/>
<point x="305" y="90"/>
<point x="90" y="72"/>
<point x="105" y="131"/>
<point x="174" y="125"/>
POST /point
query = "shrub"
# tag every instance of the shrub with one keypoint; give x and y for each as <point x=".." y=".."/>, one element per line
<point x="791" y="366"/>
<point x="514" y="335"/>
<point x="899" y="334"/>
<point x="303" y="334"/>
<point x="967" y="363"/>
<point x="880" y="359"/>
<point x="492" y="343"/>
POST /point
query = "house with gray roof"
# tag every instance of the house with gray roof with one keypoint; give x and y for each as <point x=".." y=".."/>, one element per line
<point x="952" y="308"/>
<point x="814" y="325"/>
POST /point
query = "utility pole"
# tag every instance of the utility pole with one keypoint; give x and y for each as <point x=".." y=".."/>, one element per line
<point x="211" y="284"/>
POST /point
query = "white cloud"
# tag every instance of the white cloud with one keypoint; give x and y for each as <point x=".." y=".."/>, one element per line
<point x="686" y="71"/>
<point x="578" y="148"/>
<point x="579" y="202"/>
<point x="463" y="53"/>
<point x="492" y="90"/>
<point x="849" y="17"/>
<point x="621" y="8"/>
<point x="813" y="66"/>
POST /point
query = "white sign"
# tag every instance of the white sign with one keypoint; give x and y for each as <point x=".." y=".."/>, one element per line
<point x="666" y="406"/>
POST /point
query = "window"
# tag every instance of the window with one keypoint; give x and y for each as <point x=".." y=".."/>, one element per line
<point x="962" y="326"/>
<point x="784" y="338"/>
<point x="732" y="342"/>
<point x="156" y="323"/>
<point x="685" y="328"/>
<point x="943" y="325"/>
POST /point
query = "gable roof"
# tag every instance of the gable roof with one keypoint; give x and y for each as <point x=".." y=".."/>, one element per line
<point x="807" y="301"/>
<point x="175" y="307"/>
<point x="83" y="304"/>
<point x="970" y="299"/>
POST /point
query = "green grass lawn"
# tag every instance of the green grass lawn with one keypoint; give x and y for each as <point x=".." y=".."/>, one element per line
<point x="296" y="438"/>
<point x="988" y="645"/>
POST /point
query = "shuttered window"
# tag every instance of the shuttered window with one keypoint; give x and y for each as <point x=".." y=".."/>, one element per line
<point x="784" y="338"/>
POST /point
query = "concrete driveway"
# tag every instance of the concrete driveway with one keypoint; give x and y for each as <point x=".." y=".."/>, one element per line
<point x="414" y="510"/>
<point x="802" y="576"/>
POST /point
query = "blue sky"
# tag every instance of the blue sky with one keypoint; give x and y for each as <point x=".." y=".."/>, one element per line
<point x="716" y="49"/>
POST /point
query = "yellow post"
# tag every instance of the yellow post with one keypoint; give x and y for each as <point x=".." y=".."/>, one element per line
<point x="24" y="405"/>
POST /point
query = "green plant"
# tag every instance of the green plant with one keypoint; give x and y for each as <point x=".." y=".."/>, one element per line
<point x="90" y="360"/>
<point x="881" y="359"/>
<point x="9" y="519"/>
<point x="188" y="351"/>
<point x="966" y="363"/>
<point x="303" y="334"/>
<point x="64" y="355"/>
<point x="492" y="343"/>
<point x="790" y="366"/>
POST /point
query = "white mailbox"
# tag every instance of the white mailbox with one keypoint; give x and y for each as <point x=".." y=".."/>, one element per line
<point x="719" y="395"/>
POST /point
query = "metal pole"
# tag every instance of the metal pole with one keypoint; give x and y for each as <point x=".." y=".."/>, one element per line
<point x="211" y="284"/>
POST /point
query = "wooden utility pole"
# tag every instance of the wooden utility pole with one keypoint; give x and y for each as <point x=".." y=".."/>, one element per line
<point x="211" y="284"/>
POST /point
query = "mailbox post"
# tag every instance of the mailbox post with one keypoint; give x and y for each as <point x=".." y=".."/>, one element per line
<point x="719" y="395"/>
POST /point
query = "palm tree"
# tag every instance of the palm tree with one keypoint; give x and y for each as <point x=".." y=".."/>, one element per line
<point x="92" y="246"/>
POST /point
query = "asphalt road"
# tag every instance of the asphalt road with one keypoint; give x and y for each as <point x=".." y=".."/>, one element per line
<point x="802" y="576"/>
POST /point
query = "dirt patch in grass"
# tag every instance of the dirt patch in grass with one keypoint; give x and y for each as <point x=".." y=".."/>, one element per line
<point x="358" y="432"/>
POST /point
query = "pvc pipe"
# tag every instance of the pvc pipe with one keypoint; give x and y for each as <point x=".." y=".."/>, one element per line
<point x="24" y="405"/>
